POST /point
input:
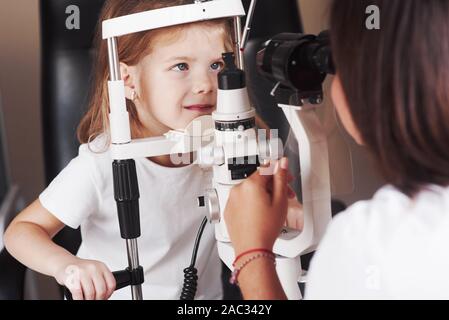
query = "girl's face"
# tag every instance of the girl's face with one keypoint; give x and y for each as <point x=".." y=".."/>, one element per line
<point x="342" y="107"/>
<point x="177" y="81"/>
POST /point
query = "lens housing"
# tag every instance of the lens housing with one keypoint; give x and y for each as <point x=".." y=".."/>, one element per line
<point x="297" y="61"/>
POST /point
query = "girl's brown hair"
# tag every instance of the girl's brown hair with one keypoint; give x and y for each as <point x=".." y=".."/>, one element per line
<point x="131" y="49"/>
<point x="396" y="81"/>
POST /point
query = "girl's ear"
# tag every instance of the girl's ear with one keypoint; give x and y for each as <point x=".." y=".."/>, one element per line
<point x="129" y="76"/>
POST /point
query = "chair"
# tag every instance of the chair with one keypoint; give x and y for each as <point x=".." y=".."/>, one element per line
<point x="66" y="69"/>
<point x="11" y="275"/>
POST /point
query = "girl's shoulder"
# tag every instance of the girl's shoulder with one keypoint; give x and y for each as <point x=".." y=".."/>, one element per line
<point x="95" y="156"/>
<point x="98" y="145"/>
<point x="98" y="149"/>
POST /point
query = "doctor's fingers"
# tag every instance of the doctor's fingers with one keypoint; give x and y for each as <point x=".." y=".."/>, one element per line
<point x="280" y="186"/>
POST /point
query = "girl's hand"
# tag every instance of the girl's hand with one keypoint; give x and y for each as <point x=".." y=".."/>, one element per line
<point x="86" y="279"/>
<point x="256" y="209"/>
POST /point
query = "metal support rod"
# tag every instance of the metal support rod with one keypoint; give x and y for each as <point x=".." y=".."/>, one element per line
<point x="131" y="244"/>
<point x="238" y="39"/>
<point x="114" y="62"/>
<point x="133" y="262"/>
<point x="249" y="21"/>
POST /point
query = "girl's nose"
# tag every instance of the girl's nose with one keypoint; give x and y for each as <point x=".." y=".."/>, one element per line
<point x="204" y="83"/>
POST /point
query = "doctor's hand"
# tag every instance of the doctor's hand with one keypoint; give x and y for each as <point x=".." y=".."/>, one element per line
<point x="256" y="209"/>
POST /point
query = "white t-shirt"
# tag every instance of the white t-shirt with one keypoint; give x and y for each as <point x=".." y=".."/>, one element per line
<point x="391" y="247"/>
<point x="82" y="194"/>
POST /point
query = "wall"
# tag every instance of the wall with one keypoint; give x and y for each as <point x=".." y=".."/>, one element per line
<point x="19" y="87"/>
<point x="20" y="93"/>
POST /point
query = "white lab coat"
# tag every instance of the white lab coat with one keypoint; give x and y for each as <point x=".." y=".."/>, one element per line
<point x="390" y="247"/>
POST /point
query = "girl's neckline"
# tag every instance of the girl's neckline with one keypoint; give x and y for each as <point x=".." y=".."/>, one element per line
<point x="159" y="167"/>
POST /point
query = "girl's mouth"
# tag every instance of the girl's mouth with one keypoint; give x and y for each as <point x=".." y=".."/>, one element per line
<point x="206" y="108"/>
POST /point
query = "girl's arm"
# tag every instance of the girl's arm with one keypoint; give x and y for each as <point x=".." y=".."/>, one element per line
<point x="29" y="239"/>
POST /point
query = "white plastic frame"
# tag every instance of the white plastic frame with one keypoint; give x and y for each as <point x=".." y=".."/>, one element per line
<point x="172" y="16"/>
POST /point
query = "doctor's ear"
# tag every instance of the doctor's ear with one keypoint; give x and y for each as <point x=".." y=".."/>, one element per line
<point x="129" y="76"/>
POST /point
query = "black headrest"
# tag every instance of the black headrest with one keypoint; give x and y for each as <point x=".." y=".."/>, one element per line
<point x="58" y="19"/>
<point x="67" y="54"/>
<point x="66" y="75"/>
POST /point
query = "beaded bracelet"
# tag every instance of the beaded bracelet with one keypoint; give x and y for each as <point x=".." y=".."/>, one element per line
<point x="251" y="251"/>
<point x="237" y="270"/>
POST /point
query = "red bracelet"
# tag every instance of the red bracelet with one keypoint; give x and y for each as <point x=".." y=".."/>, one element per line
<point x="251" y="251"/>
<point x="236" y="272"/>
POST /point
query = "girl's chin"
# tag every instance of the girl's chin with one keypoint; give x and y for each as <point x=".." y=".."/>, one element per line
<point x="184" y="120"/>
<point x="194" y="116"/>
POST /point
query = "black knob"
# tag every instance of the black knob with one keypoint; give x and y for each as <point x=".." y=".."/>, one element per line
<point x="201" y="202"/>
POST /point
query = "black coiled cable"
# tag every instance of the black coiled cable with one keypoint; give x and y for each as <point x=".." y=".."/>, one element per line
<point x="190" y="273"/>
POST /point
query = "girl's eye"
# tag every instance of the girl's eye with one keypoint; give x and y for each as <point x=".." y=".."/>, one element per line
<point x="217" y="66"/>
<point x="181" y="67"/>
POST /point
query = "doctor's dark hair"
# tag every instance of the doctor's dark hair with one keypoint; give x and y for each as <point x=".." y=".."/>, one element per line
<point x="131" y="49"/>
<point x="396" y="82"/>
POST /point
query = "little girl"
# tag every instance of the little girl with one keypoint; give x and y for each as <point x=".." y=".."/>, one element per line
<point x="170" y="77"/>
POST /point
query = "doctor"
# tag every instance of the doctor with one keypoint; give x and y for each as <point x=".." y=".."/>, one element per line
<point x="391" y="93"/>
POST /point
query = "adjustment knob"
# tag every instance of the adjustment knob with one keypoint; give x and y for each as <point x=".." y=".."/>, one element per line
<point x="213" y="206"/>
